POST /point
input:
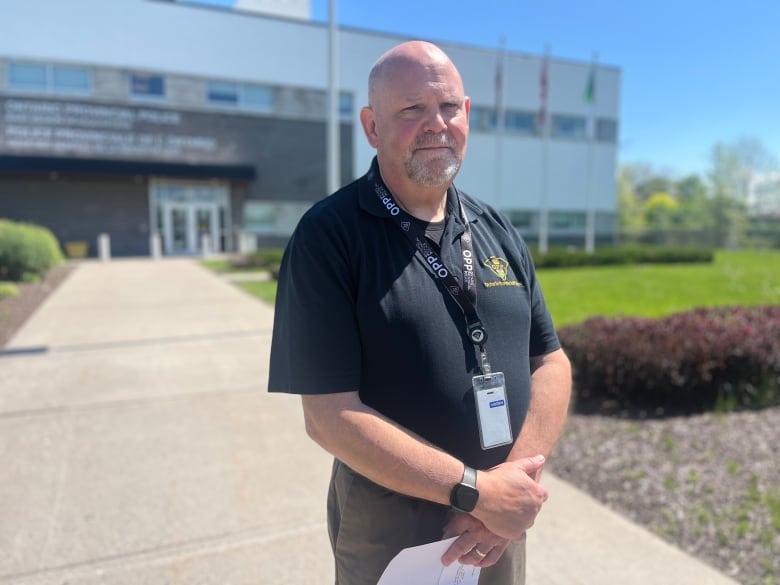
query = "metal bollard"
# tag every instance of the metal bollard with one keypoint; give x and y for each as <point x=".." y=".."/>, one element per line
<point x="155" y="246"/>
<point x="205" y="245"/>
<point x="104" y="247"/>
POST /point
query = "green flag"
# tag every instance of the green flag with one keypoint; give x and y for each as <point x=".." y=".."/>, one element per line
<point x="590" y="87"/>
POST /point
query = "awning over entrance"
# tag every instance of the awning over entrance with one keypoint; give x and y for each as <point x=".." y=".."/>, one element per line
<point x="43" y="164"/>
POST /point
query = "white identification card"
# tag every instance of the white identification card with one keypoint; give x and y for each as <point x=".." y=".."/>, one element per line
<point x="492" y="410"/>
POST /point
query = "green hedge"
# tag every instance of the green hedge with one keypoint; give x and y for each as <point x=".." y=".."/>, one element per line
<point x="26" y="250"/>
<point x="611" y="255"/>
<point x="724" y="358"/>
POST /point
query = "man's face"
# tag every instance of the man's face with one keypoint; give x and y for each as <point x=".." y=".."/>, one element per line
<point x="419" y="123"/>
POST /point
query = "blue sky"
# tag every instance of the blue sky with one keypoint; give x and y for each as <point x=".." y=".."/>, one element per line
<point x="694" y="72"/>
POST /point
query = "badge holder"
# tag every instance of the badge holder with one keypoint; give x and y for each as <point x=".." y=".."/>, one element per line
<point x="492" y="411"/>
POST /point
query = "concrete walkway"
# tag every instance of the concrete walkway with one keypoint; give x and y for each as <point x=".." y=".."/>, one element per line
<point x="138" y="446"/>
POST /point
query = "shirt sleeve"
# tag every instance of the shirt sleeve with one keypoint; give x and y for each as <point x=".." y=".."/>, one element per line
<point x="543" y="337"/>
<point x="316" y="344"/>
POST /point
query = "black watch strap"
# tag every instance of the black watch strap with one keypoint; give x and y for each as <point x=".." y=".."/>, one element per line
<point x="464" y="495"/>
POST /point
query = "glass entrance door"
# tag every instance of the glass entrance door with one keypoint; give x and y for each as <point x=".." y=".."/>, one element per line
<point x="187" y="227"/>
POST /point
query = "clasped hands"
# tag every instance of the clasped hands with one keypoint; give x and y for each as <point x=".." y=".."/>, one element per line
<point x="510" y="497"/>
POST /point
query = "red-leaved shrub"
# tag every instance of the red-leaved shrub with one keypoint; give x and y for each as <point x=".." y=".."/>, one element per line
<point x="726" y="358"/>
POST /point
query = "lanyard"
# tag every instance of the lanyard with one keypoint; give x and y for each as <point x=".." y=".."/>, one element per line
<point x="466" y="295"/>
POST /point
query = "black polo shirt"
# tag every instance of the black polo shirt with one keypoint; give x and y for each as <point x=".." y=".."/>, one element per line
<point x="357" y="309"/>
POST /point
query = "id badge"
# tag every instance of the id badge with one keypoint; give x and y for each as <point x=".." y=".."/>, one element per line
<point x="492" y="410"/>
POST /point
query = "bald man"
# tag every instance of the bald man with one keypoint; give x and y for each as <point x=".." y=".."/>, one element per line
<point x="409" y="319"/>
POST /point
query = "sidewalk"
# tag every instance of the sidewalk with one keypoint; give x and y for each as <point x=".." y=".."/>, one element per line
<point x="138" y="446"/>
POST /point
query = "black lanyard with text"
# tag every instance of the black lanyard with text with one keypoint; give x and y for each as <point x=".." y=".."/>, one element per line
<point x="466" y="295"/>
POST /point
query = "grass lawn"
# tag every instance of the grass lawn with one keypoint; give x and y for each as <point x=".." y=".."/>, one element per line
<point x="646" y="290"/>
<point x="654" y="290"/>
<point x="262" y="289"/>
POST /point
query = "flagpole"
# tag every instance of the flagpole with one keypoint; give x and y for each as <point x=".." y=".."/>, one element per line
<point x="499" y="122"/>
<point x="544" y="128"/>
<point x="333" y="148"/>
<point x="590" y="213"/>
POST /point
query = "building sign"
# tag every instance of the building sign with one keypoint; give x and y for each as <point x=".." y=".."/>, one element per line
<point x="288" y="154"/>
<point x="57" y="128"/>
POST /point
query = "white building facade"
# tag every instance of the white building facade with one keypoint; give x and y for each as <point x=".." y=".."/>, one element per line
<point x="144" y="118"/>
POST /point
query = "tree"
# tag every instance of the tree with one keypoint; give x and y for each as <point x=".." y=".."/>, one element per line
<point x="734" y="168"/>
<point x="661" y="211"/>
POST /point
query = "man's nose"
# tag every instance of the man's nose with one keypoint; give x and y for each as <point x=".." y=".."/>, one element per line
<point x="434" y="122"/>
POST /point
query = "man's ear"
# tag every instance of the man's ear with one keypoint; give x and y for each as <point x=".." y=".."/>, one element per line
<point x="368" y="121"/>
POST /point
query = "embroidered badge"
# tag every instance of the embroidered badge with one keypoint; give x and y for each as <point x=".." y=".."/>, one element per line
<point x="499" y="267"/>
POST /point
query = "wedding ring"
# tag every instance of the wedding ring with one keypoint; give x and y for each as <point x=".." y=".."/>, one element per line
<point x="480" y="554"/>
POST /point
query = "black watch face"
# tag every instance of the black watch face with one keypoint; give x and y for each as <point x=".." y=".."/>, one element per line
<point x="466" y="498"/>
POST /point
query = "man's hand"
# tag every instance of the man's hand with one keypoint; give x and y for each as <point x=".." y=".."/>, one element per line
<point x="509" y="498"/>
<point x="474" y="541"/>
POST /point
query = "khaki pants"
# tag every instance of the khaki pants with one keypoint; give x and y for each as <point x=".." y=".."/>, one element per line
<point x="369" y="525"/>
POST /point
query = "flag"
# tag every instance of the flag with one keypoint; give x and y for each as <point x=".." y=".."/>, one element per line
<point x="590" y="86"/>
<point x="543" y="91"/>
<point x="589" y="98"/>
<point x="500" y="88"/>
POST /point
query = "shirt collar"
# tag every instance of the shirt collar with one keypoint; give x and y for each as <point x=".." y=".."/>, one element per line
<point x="372" y="204"/>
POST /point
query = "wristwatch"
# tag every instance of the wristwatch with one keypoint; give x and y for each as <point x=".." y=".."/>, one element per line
<point x="464" y="495"/>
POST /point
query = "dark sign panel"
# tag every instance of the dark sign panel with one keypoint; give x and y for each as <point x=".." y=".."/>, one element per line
<point x="288" y="155"/>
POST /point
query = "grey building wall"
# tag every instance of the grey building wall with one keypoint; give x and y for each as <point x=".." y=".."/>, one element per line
<point x="79" y="208"/>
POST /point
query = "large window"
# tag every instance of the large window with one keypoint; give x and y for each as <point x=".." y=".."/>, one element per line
<point x="346" y="104"/>
<point x="606" y="130"/>
<point x="572" y="127"/>
<point x="147" y="86"/>
<point x="46" y="78"/>
<point x="240" y="95"/>
<point x="482" y="119"/>
<point x="564" y="220"/>
<point x="520" y="122"/>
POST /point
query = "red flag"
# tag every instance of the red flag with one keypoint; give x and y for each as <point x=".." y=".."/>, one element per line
<point x="543" y="91"/>
<point x="500" y="88"/>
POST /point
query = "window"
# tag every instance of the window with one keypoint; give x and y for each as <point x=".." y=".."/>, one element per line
<point x="567" y="219"/>
<point x="345" y="104"/>
<point x="69" y="79"/>
<point x="29" y="76"/>
<point x="520" y="122"/>
<point x="45" y="78"/>
<point x="147" y="86"/>
<point x="244" y="96"/>
<point x="520" y="219"/>
<point x="568" y="127"/>
<point x="480" y="118"/>
<point x="606" y="130"/>
<point x="223" y="94"/>
<point x="257" y="97"/>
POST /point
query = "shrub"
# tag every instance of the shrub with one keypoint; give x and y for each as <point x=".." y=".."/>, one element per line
<point x="566" y="258"/>
<point x="26" y="250"/>
<point x="8" y="289"/>
<point x="725" y="358"/>
<point x="265" y="258"/>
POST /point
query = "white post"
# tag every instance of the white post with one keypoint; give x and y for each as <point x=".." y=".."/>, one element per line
<point x="500" y="121"/>
<point x="104" y="247"/>
<point x="333" y="146"/>
<point x="155" y="245"/>
<point x="544" y="206"/>
<point x="590" y="213"/>
<point x="205" y="245"/>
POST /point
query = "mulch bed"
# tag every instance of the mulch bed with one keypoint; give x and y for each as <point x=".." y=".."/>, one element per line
<point x="14" y="311"/>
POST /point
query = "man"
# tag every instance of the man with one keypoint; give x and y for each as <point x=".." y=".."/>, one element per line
<point x="409" y="318"/>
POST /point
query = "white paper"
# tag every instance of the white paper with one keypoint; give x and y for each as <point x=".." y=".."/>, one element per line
<point x="421" y="565"/>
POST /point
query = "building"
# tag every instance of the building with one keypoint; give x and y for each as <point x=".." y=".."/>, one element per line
<point x="157" y="121"/>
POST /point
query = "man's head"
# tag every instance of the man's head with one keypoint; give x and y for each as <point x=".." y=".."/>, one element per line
<point x="417" y="117"/>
